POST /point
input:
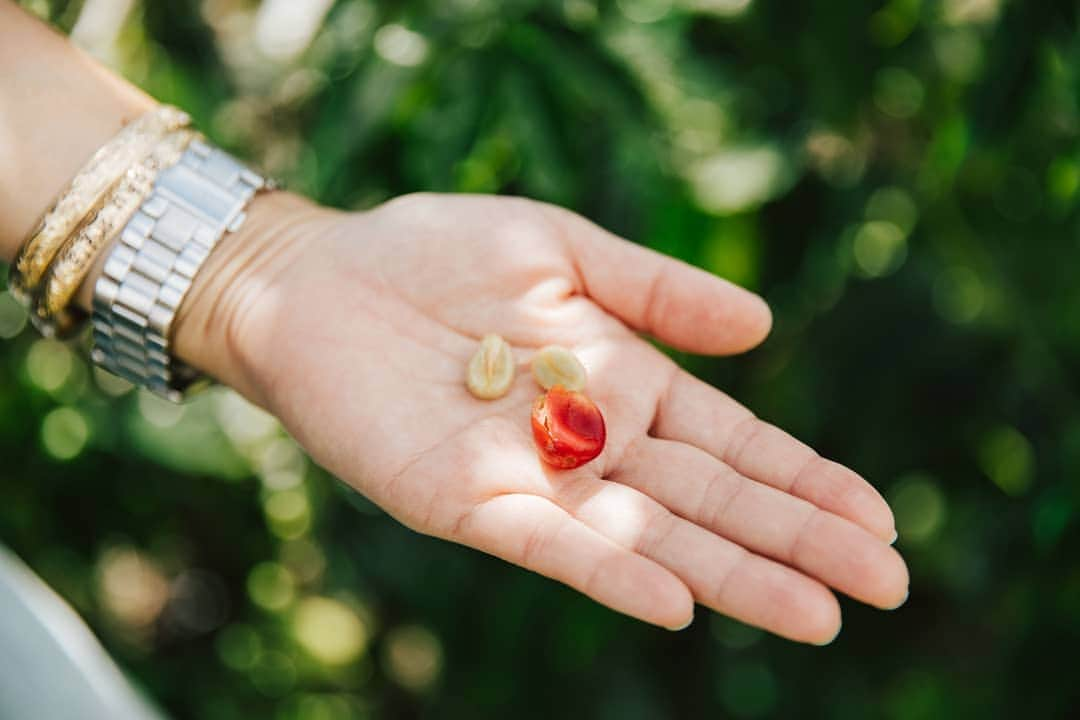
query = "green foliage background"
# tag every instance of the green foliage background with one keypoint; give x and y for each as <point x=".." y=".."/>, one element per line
<point x="899" y="180"/>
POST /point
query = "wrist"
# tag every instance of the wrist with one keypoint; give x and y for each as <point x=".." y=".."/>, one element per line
<point x="228" y="318"/>
<point x="230" y="306"/>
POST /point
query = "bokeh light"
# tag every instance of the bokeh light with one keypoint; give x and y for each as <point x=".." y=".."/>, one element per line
<point x="324" y="706"/>
<point x="645" y="11"/>
<point x="12" y="316"/>
<point x="894" y="205"/>
<point x="1007" y="458"/>
<point x="721" y="8"/>
<point x="919" y="507"/>
<point x="413" y="657"/>
<point x="288" y="513"/>
<point x="198" y="603"/>
<point x="159" y="412"/>
<point x="329" y="630"/>
<point x="131" y="586"/>
<point x="245" y="424"/>
<point x="110" y="384"/>
<point x="959" y="12"/>
<point x="1062" y="180"/>
<point x="280" y="464"/>
<point x="239" y="646"/>
<point x="64" y="433"/>
<point x="837" y="158"/>
<point x="898" y="93"/>
<point x="959" y="294"/>
<point x="401" y="46"/>
<point x="880" y="248"/>
<point x="305" y="559"/>
<point x="738" y="179"/>
<point x="283" y="29"/>
<point x="959" y="53"/>
<point x="49" y="364"/>
<point x="271" y="586"/>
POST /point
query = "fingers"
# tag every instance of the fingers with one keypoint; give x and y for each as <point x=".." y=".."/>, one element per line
<point x="767" y="521"/>
<point x="722" y="575"/>
<point x="677" y="303"/>
<point x="531" y="531"/>
<point x="694" y="412"/>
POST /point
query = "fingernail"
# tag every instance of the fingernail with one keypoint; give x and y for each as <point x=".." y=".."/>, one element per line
<point x="683" y="626"/>
<point x="895" y="537"/>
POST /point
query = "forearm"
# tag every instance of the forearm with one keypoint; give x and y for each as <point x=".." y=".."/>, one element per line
<point x="57" y="106"/>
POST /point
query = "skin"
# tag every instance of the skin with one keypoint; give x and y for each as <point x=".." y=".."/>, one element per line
<point x="693" y="498"/>
<point x="355" y="329"/>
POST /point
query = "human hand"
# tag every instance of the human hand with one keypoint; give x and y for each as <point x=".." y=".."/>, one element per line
<point x="355" y="329"/>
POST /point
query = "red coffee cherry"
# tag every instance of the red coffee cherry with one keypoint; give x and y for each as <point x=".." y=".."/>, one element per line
<point x="567" y="427"/>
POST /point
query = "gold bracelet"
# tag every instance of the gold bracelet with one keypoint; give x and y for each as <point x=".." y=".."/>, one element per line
<point x="86" y="192"/>
<point x="51" y="314"/>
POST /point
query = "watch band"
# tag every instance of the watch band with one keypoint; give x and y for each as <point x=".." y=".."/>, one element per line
<point x="149" y="270"/>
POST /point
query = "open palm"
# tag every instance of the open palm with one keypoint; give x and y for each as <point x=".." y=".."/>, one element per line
<point x="359" y="345"/>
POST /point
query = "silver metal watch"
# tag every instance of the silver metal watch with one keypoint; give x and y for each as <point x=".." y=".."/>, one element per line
<point x="149" y="270"/>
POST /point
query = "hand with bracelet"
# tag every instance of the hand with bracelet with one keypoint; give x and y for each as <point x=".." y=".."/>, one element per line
<point x="354" y="329"/>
